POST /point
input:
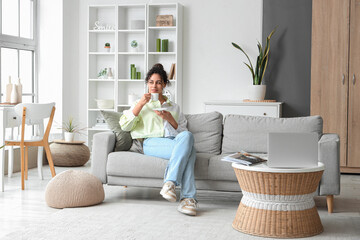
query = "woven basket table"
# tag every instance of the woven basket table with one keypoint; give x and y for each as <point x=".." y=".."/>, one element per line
<point x="69" y="154"/>
<point x="278" y="202"/>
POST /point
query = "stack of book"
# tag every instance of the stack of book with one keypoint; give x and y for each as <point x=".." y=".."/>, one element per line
<point x="172" y="71"/>
<point x="243" y="158"/>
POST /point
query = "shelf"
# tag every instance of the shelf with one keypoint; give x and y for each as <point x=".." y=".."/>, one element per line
<point x="132" y="30"/>
<point x="101" y="53"/>
<point x="101" y="80"/>
<point x="98" y="109"/>
<point x="131" y="80"/>
<point x="162" y="53"/>
<point x="131" y="53"/>
<point x="102" y="31"/>
<point x="124" y="105"/>
<point x="162" y="28"/>
<point x="172" y="5"/>
<point x="98" y="129"/>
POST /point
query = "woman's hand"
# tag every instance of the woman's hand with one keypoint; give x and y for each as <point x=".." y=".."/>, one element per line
<point x="144" y="100"/>
<point x="168" y="117"/>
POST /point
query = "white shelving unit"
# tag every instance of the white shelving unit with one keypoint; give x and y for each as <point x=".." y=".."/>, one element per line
<point x="116" y="20"/>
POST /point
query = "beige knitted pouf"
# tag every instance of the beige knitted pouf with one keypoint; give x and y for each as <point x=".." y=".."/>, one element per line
<point x="71" y="154"/>
<point x="74" y="188"/>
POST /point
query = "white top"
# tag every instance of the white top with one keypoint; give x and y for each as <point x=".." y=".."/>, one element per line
<point x="241" y="103"/>
<point x="263" y="167"/>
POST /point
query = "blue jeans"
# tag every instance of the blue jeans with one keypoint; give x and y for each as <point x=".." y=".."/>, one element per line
<point x="181" y="154"/>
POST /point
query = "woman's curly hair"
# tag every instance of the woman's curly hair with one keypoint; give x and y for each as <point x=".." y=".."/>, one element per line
<point x="159" y="69"/>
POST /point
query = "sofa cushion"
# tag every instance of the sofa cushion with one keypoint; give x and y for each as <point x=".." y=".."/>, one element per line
<point x="220" y="170"/>
<point x="123" y="138"/>
<point x="131" y="164"/>
<point x="249" y="133"/>
<point x="207" y="131"/>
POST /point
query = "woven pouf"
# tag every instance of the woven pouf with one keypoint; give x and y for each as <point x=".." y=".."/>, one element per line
<point x="69" y="155"/>
<point x="74" y="188"/>
<point x="278" y="204"/>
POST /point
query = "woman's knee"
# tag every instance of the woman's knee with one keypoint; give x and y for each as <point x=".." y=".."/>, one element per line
<point x="188" y="135"/>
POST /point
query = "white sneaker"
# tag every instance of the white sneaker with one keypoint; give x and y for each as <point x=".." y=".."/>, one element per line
<point x="168" y="191"/>
<point x="188" y="206"/>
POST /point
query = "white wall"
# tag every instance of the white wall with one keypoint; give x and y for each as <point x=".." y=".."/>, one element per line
<point x="50" y="55"/>
<point x="72" y="93"/>
<point x="212" y="68"/>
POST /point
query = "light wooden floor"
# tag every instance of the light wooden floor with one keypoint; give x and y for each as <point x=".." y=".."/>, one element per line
<point x="19" y="208"/>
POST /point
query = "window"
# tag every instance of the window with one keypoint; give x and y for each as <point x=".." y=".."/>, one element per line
<point x="18" y="46"/>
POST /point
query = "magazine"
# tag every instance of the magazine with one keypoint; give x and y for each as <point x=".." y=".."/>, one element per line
<point x="244" y="158"/>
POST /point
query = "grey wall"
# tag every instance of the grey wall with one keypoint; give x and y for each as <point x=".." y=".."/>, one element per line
<point x="287" y="77"/>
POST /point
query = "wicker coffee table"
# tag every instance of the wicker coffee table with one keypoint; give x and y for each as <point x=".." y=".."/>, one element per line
<point x="69" y="154"/>
<point x="278" y="202"/>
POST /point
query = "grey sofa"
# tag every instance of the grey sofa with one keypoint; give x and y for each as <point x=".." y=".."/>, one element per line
<point x="215" y="138"/>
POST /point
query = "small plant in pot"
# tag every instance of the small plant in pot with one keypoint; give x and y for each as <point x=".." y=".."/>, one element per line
<point x="107" y="47"/>
<point x="257" y="90"/>
<point x="70" y="128"/>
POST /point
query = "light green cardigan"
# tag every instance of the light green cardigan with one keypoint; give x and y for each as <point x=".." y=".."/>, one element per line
<point x="147" y="123"/>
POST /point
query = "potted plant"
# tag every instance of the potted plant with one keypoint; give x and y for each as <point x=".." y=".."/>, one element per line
<point x="103" y="73"/>
<point x="134" y="44"/>
<point x="256" y="90"/>
<point x="70" y="127"/>
<point x="107" y="47"/>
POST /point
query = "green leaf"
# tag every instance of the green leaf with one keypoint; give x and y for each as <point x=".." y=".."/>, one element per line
<point x="260" y="50"/>
<point x="251" y="70"/>
<point x="262" y="75"/>
<point x="257" y="66"/>
<point x="238" y="47"/>
<point x="265" y="59"/>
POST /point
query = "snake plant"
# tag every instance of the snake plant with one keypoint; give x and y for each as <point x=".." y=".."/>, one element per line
<point x="261" y="61"/>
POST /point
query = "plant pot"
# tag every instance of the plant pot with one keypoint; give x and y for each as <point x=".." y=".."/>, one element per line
<point x="256" y="92"/>
<point x="69" y="136"/>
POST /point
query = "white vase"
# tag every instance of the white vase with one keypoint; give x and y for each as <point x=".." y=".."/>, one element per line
<point x="14" y="96"/>
<point x="256" y="92"/>
<point x="69" y="137"/>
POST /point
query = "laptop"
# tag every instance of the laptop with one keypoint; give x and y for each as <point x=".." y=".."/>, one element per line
<point x="292" y="150"/>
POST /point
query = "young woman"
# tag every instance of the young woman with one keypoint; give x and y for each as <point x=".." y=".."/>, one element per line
<point x="166" y="136"/>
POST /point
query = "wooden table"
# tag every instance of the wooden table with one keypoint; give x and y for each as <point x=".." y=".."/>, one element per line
<point x="278" y="202"/>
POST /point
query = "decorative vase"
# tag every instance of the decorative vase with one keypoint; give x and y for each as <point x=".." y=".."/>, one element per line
<point x="69" y="136"/>
<point x="14" y="96"/>
<point x="256" y="92"/>
<point x="110" y="74"/>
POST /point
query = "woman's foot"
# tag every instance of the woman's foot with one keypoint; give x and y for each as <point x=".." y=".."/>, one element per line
<point x="188" y="206"/>
<point x="168" y="191"/>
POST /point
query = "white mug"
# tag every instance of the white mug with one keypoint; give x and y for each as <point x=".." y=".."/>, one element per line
<point x="154" y="96"/>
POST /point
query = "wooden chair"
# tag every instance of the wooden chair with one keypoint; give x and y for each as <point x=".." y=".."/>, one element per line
<point x="33" y="114"/>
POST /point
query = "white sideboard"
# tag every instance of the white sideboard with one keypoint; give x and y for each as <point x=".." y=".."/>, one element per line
<point x="265" y="109"/>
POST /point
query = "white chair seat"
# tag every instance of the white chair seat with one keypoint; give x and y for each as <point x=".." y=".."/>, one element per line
<point x="25" y="140"/>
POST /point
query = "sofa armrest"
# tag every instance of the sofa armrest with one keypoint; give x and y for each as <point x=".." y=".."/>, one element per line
<point x="329" y="154"/>
<point x="103" y="144"/>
